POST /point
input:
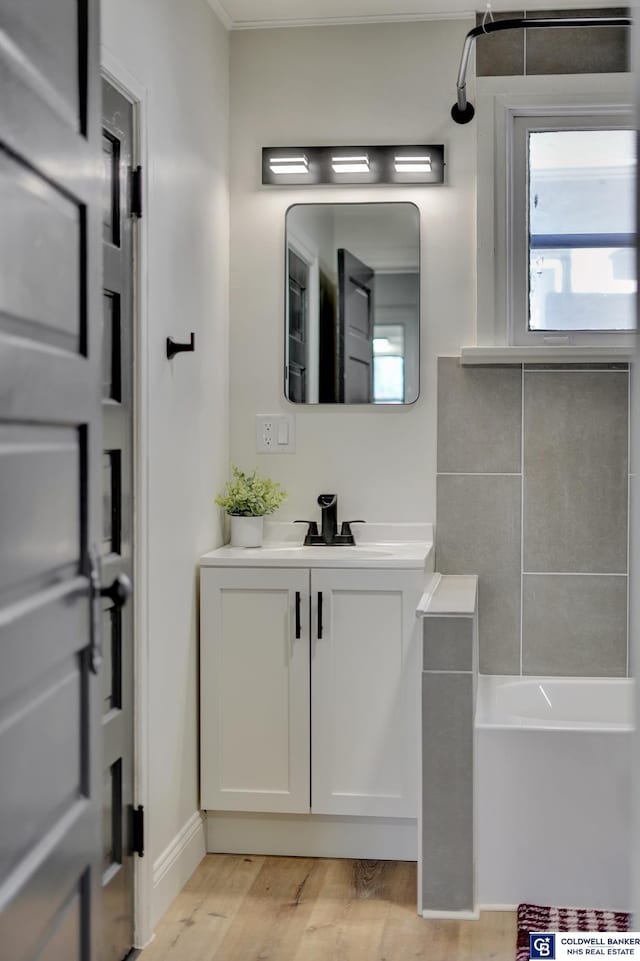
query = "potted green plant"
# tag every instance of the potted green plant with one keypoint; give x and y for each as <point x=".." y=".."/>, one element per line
<point x="246" y="499"/>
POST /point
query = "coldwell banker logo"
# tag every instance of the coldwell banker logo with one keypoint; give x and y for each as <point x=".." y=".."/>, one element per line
<point x="542" y="946"/>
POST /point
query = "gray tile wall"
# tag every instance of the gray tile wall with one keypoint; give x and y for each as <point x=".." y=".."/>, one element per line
<point x="574" y="624"/>
<point x="447" y="643"/>
<point x="478" y="522"/>
<point x="446" y="859"/>
<point x="501" y="54"/>
<point x="532" y="495"/>
<point x="575" y="468"/>
<point x="554" y="51"/>
<point x="447" y="792"/>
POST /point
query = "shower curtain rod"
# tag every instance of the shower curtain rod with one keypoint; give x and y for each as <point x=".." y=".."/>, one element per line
<point x="463" y="111"/>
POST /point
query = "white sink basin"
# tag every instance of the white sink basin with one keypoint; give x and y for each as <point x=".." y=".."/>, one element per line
<point x="412" y="553"/>
<point x="343" y="553"/>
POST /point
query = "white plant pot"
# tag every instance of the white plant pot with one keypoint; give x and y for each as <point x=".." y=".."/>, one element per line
<point x="246" y="531"/>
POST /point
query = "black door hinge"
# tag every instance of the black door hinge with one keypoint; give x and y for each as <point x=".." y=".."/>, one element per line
<point x="137" y="831"/>
<point x="136" y="192"/>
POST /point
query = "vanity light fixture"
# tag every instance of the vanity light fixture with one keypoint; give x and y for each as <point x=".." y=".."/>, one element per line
<point x="400" y="164"/>
<point x="412" y="165"/>
<point x="289" y="165"/>
<point x="351" y="165"/>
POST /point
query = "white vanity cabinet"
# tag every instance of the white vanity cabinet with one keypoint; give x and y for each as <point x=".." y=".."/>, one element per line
<point x="364" y="692"/>
<point x="254" y="684"/>
<point x="315" y="712"/>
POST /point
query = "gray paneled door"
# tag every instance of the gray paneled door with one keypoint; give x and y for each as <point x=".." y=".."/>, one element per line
<point x="355" y="329"/>
<point x="117" y="536"/>
<point x="50" y="456"/>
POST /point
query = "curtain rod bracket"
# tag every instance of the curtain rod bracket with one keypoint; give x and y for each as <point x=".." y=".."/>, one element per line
<point x="465" y="115"/>
<point x="462" y="111"/>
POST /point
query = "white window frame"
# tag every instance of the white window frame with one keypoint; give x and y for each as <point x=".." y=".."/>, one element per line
<point x="548" y="102"/>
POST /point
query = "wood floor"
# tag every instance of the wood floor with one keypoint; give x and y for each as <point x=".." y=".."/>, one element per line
<point x="241" y="908"/>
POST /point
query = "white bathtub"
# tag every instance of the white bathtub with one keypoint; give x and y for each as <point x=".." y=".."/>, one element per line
<point x="553" y="791"/>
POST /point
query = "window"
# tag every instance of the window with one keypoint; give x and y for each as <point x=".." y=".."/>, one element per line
<point x="571" y="274"/>
<point x="388" y="364"/>
<point x="555" y="215"/>
<point x="581" y="229"/>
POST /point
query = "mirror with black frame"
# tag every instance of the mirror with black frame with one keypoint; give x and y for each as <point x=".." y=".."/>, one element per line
<point x="352" y="303"/>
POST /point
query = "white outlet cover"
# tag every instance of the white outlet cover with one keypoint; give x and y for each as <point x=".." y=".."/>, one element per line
<point x="270" y="428"/>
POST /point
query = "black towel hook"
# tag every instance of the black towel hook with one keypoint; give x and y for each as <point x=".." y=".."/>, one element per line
<point x="174" y="348"/>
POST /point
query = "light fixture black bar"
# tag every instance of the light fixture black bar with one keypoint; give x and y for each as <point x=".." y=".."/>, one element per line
<point x="380" y="160"/>
<point x="463" y="111"/>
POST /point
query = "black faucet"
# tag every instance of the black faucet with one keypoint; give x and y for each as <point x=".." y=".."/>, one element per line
<point x="329" y="506"/>
<point x="329" y="535"/>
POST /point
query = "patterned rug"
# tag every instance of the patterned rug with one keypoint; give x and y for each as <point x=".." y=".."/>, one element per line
<point x="536" y="917"/>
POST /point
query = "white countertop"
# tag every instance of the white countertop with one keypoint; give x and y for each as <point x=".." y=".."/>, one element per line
<point x="383" y="546"/>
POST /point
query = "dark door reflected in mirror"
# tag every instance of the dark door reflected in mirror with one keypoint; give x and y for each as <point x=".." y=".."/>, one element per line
<point x="352" y="316"/>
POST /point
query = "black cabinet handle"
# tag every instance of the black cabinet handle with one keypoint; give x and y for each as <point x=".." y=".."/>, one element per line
<point x="298" y="625"/>
<point x="319" y="615"/>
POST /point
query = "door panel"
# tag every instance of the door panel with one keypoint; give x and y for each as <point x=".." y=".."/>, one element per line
<point x="50" y="442"/>
<point x="112" y="503"/>
<point x="117" y="520"/>
<point x="111" y="190"/>
<point x="358" y="385"/>
<point x="42" y="263"/>
<point x="66" y="941"/>
<point x="329" y="388"/>
<point x="27" y="805"/>
<point x="37" y="636"/>
<point x="112" y="669"/>
<point x="30" y="926"/>
<point x="112" y="820"/>
<point x="40" y="477"/>
<point x="365" y="676"/>
<point x="255" y="690"/>
<point x="47" y="34"/>
<point x="111" y="348"/>
<point x="29" y="375"/>
<point x="298" y="321"/>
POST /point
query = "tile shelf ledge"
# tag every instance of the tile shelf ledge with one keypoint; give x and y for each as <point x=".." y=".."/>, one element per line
<point x="449" y="595"/>
<point x="487" y="355"/>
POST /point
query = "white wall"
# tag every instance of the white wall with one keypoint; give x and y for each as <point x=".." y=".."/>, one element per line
<point x="179" y="53"/>
<point x="383" y="83"/>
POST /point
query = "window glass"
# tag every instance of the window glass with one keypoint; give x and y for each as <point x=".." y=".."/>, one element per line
<point x="581" y="214"/>
<point x="388" y="364"/>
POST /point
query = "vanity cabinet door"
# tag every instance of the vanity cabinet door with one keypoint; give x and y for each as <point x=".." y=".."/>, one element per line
<point x="254" y="663"/>
<point x="365" y="670"/>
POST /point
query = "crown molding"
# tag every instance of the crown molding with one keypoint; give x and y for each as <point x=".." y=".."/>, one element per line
<point x="222" y="14"/>
<point x="346" y="21"/>
<point x="285" y="22"/>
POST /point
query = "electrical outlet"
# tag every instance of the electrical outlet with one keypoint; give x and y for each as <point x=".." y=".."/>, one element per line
<point x="275" y="434"/>
<point x="267" y="434"/>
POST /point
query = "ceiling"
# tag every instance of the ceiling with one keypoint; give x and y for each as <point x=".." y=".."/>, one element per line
<point x="254" y="14"/>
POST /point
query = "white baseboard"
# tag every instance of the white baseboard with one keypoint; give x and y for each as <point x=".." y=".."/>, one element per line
<point x="312" y="836"/>
<point x="497" y="907"/>
<point x="173" y="868"/>
<point x="451" y="915"/>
